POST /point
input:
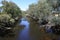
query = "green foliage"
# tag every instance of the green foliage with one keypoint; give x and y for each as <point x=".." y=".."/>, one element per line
<point x="41" y="10"/>
<point x="11" y="8"/>
<point x="9" y="13"/>
<point x="55" y="4"/>
<point x="5" y="19"/>
<point x="55" y="20"/>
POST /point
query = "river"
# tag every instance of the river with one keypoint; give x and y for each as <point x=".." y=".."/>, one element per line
<point x="28" y="29"/>
<point x="31" y="31"/>
<point x="24" y="33"/>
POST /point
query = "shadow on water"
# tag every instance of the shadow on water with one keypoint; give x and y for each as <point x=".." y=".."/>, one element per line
<point x="31" y="31"/>
<point x="24" y="33"/>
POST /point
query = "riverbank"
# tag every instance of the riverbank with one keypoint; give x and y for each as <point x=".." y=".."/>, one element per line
<point x="14" y="34"/>
<point x="38" y="33"/>
<point x="34" y="32"/>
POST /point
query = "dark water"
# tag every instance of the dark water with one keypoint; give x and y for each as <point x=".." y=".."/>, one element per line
<point x="31" y="31"/>
<point x="24" y="33"/>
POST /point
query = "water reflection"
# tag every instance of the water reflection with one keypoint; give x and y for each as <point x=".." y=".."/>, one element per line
<point x="24" y="33"/>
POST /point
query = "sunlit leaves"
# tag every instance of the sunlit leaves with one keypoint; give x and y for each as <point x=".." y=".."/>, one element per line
<point x="42" y="9"/>
<point x="11" y="8"/>
<point x="9" y="13"/>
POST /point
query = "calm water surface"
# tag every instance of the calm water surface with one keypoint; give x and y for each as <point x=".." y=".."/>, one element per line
<point x="24" y="33"/>
<point x="31" y="31"/>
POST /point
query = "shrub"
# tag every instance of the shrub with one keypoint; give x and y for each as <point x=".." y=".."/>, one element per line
<point x="6" y="20"/>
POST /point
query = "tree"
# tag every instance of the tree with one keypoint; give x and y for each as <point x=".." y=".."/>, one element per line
<point x="42" y="9"/>
<point x="10" y="12"/>
<point x="11" y="8"/>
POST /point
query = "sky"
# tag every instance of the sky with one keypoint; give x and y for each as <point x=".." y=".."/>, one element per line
<point x="23" y="4"/>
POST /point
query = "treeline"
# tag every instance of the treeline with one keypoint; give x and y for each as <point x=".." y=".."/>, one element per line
<point x="45" y="9"/>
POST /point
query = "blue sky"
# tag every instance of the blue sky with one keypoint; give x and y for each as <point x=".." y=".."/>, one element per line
<point x="23" y="4"/>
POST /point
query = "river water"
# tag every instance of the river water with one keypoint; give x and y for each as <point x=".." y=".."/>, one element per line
<point x="24" y="33"/>
<point x="31" y="31"/>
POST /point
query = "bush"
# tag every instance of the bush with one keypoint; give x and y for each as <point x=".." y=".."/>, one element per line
<point x="56" y="27"/>
<point x="56" y="20"/>
<point x="6" y="20"/>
